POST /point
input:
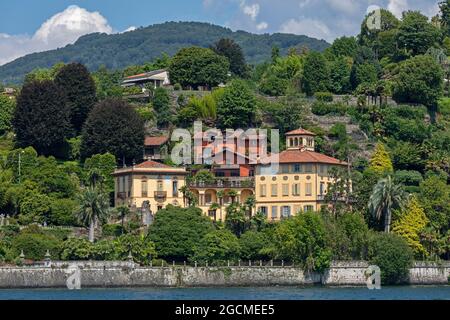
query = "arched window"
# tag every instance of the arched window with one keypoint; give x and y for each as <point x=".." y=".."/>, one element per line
<point x="296" y="142"/>
<point x="144" y="187"/>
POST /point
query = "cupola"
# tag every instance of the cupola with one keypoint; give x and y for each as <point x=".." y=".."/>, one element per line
<point x="300" y="139"/>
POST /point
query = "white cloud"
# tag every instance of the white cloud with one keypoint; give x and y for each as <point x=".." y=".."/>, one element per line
<point x="397" y="7"/>
<point x="307" y="26"/>
<point x="58" y="31"/>
<point x="132" y="28"/>
<point x="262" y="26"/>
<point x="251" y="10"/>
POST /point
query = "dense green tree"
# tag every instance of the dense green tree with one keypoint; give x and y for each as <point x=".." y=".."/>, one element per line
<point x="392" y="254"/>
<point x="386" y="197"/>
<point x="42" y="74"/>
<point x="410" y="224"/>
<point x="303" y="239"/>
<point x="79" y="88"/>
<point x="198" y="67"/>
<point x="236" y="108"/>
<point x="343" y="47"/>
<point x="340" y="70"/>
<point x="7" y="106"/>
<point x="176" y="231"/>
<point x="140" y="248"/>
<point x="217" y="246"/>
<point x="98" y="170"/>
<point x="416" y="35"/>
<point x="233" y="52"/>
<point x="419" y="80"/>
<point x="115" y="127"/>
<point x="369" y="35"/>
<point x="41" y="118"/>
<point x="254" y="244"/>
<point x="316" y="74"/>
<point x="445" y="16"/>
<point x="35" y="243"/>
<point x="380" y="163"/>
<point x="347" y="236"/>
<point x="161" y="105"/>
<point x="366" y="68"/>
<point x="434" y="196"/>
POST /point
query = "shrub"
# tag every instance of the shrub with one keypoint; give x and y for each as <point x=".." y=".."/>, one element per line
<point x="177" y="87"/>
<point x="35" y="245"/>
<point x="140" y="248"/>
<point x="217" y="246"/>
<point x="77" y="249"/>
<point x="112" y="230"/>
<point x="176" y="231"/>
<point x="253" y="245"/>
<point x="61" y="212"/>
<point x="324" y="96"/>
<point x="393" y="255"/>
<point x="409" y="178"/>
<point x="104" y="250"/>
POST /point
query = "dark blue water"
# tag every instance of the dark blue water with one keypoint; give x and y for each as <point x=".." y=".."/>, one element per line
<point x="273" y="293"/>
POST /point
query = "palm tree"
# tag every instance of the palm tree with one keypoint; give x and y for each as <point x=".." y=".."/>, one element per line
<point x="220" y="195"/>
<point x="250" y="204"/>
<point x="214" y="207"/>
<point x="123" y="211"/>
<point x="233" y="195"/>
<point x="93" y="206"/>
<point x="386" y="197"/>
<point x="184" y="190"/>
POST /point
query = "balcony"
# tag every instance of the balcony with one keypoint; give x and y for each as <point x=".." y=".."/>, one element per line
<point x="231" y="183"/>
<point x="160" y="196"/>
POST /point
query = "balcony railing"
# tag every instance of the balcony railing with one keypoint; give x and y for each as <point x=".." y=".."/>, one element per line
<point x="160" y="195"/>
<point x="225" y="184"/>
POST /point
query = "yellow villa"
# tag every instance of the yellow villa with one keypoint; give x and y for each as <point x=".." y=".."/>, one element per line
<point x="299" y="182"/>
<point x="154" y="183"/>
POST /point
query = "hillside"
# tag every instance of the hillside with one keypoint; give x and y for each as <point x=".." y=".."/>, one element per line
<point x="144" y="44"/>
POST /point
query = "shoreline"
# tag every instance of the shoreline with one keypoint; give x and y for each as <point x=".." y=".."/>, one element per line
<point x="129" y="275"/>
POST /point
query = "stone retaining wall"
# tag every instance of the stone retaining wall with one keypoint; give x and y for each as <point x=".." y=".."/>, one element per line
<point x="126" y="274"/>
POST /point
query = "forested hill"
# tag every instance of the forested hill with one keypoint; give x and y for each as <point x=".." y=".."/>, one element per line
<point x="144" y="44"/>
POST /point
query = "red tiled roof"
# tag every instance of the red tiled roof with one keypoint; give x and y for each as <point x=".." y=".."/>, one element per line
<point x="298" y="156"/>
<point x="152" y="164"/>
<point x="300" y="131"/>
<point x="155" y="141"/>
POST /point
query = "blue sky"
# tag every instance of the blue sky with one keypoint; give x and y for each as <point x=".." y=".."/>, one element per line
<point x="38" y="25"/>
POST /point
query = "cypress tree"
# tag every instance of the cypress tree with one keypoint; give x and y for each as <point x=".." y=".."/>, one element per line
<point x="79" y="87"/>
<point x="41" y="118"/>
<point x="113" y="126"/>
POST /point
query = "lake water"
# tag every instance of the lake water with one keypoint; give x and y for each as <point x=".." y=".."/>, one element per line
<point x="272" y="293"/>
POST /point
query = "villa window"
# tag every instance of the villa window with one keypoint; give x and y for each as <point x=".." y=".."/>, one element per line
<point x="274" y="212"/>
<point x="285" y="188"/>
<point x="309" y="208"/>
<point x="285" y="211"/>
<point x="263" y="191"/>
<point x="274" y="190"/>
<point x="296" y="189"/>
<point x="284" y="168"/>
<point x="160" y="185"/>
<point x="322" y="188"/>
<point x="130" y="183"/>
<point x="175" y="188"/>
<point x="309" y="168"/>
<point x="297" y="168"/>
<point x="144" y="188"/>
<point x="208" y="198"/>
<point x="263" y="211"/>
<point x="308" y="189"/>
